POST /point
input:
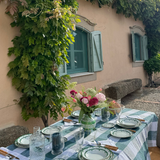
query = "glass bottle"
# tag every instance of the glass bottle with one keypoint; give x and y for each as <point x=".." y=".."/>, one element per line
<point x="37" y="145"/>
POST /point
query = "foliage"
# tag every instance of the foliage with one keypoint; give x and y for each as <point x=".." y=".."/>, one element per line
<point x="12" y="7"/>
<point x="152" y="66"/>
<point x="88" y="100"/>
<point x="45" y="28"/>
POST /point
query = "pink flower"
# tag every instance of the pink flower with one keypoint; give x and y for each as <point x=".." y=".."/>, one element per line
<point x="85" y="100"/>
<point x="100" y="90"/>
<point x="114" y="101"/>
<point x="63" y="109"/>
<point x="74" y="100"/>
<point x="73" y="93"/>
<point x="87" y="105"/>
<point x="101" y="97"/>
<point x="81" y="92"/>
<point x="79" y="96"/>
<point x="93" y="101"/>
<point x="89" y="97"/>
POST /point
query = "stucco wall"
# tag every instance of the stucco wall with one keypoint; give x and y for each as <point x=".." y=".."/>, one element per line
<point x="116" y="50"/>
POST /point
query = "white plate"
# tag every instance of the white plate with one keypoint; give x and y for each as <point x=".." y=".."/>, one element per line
<point x="27" y="146"/>
<point x="24" y="140"/>
<point x="50" y="130"/>
<point x="121" y="133"/>
<point x="81" y="158"/>
<point x="75" y="114"/>
<point x="129" y="122"/>
<point x="96" y="153"/>
<point x="108" y="125"/>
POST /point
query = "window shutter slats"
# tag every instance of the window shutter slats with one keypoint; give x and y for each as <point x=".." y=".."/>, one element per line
<point x="96" y="51"/>
<point x="145" y="49"/>
<point x="133" y="47"/>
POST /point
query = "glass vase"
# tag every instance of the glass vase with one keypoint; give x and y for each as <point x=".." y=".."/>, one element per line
<point x="88" y="123"/>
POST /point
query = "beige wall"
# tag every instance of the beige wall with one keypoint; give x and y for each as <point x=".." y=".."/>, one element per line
<point x="116" y="50"/>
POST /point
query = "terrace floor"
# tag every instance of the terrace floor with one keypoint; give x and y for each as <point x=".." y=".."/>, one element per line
<point x="147" y="100"/>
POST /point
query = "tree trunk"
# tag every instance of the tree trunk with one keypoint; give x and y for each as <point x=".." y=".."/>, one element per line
<point x="45" y="120"/>
<point x="150" y="81"/>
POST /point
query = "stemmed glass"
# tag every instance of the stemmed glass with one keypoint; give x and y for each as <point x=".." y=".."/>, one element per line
<point x="79" y="137"/>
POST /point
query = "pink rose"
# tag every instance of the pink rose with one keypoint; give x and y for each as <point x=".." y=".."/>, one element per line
<point x="89" y="97"/>
<point x="79" y="96"/>
<point x="74" y="100"/>
<point x="87" y="105"/>
<point x="101" y="97"/>
<point x="85" y="100"/>
<point x="63" y="109"/>
<point x="93" y="101"/>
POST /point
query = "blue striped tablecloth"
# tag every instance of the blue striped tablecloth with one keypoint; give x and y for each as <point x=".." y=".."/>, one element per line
<point x="134" y="148"/>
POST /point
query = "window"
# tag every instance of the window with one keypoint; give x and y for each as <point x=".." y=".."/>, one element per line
<point x="78" y="53"/>
<point x="85" y="55"/>
<point x="139" y="45"/>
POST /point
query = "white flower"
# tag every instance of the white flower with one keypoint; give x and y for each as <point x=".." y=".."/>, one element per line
<point x="85" y="100"/>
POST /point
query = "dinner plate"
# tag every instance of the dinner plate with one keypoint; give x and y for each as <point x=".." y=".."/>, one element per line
<point x="96" y="153"/>
<point x="121" y="133"/>
<point x="27" y="146"/>
<point x="50" y="130"/>
<point x="129" y="123"/>
<point x="108" y="125"/>
<point x="81" y="158"/>
<point x="24" y="140"/>
<point x="75" y="114"/>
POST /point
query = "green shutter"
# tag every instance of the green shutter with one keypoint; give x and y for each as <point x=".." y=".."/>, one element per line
<point x="145" y="49"/>
<point x="62" y="69"/>
<point x="96" y="52"/>
<point x="133" y="47"/>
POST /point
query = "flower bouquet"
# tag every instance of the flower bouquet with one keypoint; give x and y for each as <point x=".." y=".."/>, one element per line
<point x="88" y="100"/>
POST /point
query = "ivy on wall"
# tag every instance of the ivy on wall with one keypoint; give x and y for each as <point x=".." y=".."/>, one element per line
<point x="45" y="28"/>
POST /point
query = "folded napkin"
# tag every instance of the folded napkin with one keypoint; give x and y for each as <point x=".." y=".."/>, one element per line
<point x="13" y="153"/>
<point x="103" y="143"/>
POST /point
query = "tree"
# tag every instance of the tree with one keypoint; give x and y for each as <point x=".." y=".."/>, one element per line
<point x="152" y="66"/>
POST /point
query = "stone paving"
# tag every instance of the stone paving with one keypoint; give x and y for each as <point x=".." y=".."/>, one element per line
<point x="148" y="100"/>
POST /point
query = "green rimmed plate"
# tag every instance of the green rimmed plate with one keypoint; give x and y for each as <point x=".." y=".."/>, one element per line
<point x="27" y="146"/>
<point x="75" y="114"/>
<point x="81" y="158"/>
<point x="50" y="130"/>
<point x="96" y="153"/>
<point x="108" y="125"/>
<point x="129" y="123"/>
<point x="24" y="140"/>
<point x="121" y="133"/>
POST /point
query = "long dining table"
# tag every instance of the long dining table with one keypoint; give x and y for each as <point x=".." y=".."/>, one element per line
<point x="133" y="148"/>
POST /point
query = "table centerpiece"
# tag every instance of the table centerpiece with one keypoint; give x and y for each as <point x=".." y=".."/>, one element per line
<point x="88" y="100"/>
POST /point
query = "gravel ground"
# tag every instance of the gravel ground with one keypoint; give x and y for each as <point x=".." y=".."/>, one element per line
<point x="148" y="100"/>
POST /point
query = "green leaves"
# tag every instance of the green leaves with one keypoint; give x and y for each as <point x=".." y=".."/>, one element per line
<point x="39" y="50"/>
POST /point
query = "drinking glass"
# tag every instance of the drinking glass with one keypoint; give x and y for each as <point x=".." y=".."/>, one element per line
<point x="117" y="112"/>
<point x="57" y="143"/>
<point x="105" y="114"/>
<point x="79" y="137"/>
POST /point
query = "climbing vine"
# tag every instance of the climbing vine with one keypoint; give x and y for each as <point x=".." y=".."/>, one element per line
<point x="45" y="28"/>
